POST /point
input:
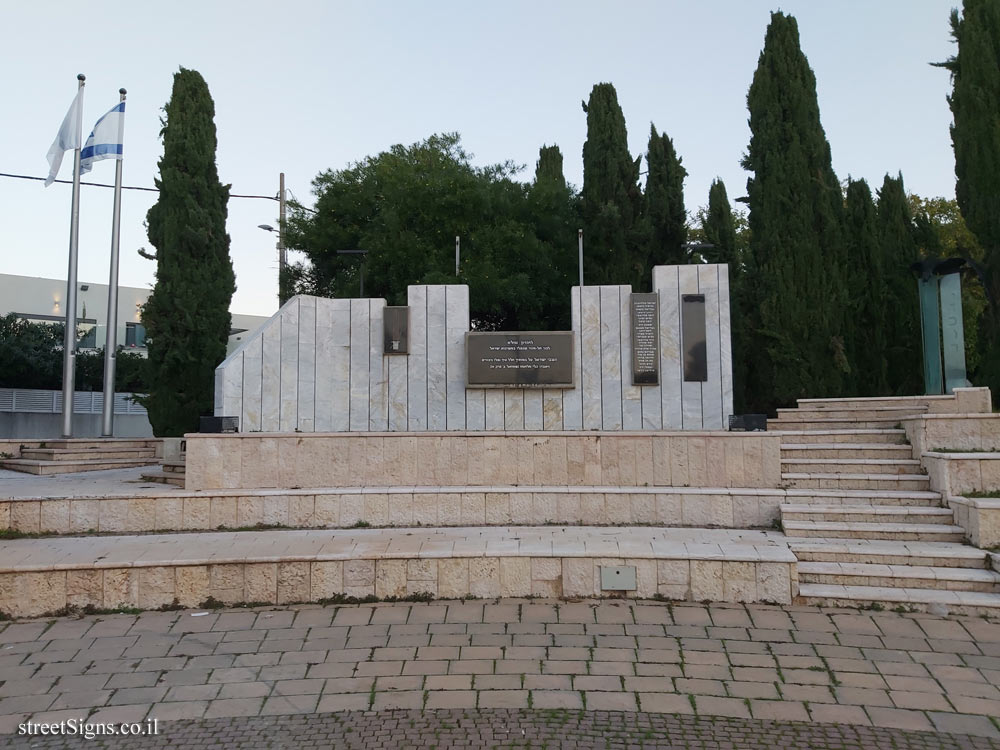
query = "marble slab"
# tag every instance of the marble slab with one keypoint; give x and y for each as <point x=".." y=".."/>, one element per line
<point x="416" y="391"/>
<point x="288" y="415"/>
<point x="360" y="329"/>
<point x="306" y="387"/>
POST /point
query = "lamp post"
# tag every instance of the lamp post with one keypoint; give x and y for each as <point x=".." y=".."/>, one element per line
<point x="362" y="253"/>
<point x="280" y="231"/>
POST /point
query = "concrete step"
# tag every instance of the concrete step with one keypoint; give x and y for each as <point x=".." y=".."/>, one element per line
<point x="69" y="454"/>
<point x="844" y="435"/>
<point x="889" y="552"/>
<point x="46" y="468"/>
<point x="851" y="465"/>
<point x="862" y="497"/>
<point x="866" y="514"/>
<point x="922" y="532"/>
<point x="38" y="576"/>
<point x="164" y="477"/>
<point x="834" y="423"/>
<point x="961" y="602"/>
<point x="173" y="467"/>
<point x="846" y="450"/>
<point x="900" y="576"/>
<point x="831" y="481"/>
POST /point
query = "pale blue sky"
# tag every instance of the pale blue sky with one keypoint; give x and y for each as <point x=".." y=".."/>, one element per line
<point x="304" y="86"/>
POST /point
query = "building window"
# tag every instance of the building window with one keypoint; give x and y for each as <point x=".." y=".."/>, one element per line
<point x="135" y="334"/>
<point x="87" y="336"/>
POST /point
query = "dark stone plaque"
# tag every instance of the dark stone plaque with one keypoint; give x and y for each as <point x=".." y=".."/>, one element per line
<point x="645" y="339"/>
<point x="520" y="359"/>
<point x="396" y="330"/>
<point x="693" y="338"/>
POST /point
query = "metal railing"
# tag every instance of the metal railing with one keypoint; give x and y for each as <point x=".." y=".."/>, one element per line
<point x="50" y="402"/>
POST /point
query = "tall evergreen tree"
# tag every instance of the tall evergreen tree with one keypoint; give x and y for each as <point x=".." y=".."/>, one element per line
<point x="549" y="167"/>
<point x="868" y="290"/>
<point x="902" y="304"/>
<point x="664" y="217"/>
<point x="975" y="135"/>
<point x="187" y="315"/>
<point x="611" y="199"/>
<point x="719" y="227"/>
<point x="795" y="229"/>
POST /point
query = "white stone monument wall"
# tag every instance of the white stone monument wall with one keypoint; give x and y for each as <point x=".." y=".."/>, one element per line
<point x="318" y="366"/>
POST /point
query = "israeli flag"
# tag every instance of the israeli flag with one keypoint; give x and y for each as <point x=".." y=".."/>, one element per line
<point x="106" y="139"/>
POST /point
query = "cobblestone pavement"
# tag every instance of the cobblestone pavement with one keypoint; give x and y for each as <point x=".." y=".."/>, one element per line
<point x="506" y="728"/>
<point x="825" y="671"/>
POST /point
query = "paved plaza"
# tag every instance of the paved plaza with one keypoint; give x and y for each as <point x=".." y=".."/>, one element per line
<point x="504" y="673"/>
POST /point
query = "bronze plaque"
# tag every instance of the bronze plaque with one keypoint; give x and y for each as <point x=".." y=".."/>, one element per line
<point x="645" y="338"/>
<point x="396" y="330"/>
<point x="520" y="359"/>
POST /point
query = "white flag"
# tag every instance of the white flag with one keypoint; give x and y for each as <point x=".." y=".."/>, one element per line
<point x="68" y="137"/>
<point x="105" y="141"/>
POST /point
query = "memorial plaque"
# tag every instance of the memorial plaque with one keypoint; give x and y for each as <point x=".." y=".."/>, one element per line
<point x="396" y="330"/>
<point x="528" y="359"/>
<point x="693" y="338"/>
<point x="645" y="339"/>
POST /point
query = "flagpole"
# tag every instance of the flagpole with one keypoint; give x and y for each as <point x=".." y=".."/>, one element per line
<point x="69" y="340"/>
<point x="111" y="340"/>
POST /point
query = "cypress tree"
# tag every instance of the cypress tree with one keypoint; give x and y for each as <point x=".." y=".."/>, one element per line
<point x="898" y="249"/>
<point x="187" y="315"/>
<point x="549" y="167"/>
<point x="610" y="198"/>
<point x="868" y="290"/>
<point x="975" y="136"/>
<point x="720" y="228"/>
<point x="795" y="234"/>
<point x="665" y="220"/>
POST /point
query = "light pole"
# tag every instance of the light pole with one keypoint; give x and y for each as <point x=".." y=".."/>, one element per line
<point x="362" y="253"/>
<point x="280" y="231"/>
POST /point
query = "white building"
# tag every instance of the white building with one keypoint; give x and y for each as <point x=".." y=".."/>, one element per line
<point x="43" y="301"/>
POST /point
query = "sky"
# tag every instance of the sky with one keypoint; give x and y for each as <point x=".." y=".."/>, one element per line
<point x="304" y="86"/>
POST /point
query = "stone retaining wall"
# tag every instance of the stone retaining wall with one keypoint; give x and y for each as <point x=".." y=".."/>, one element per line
<point x="980" y="517"/>
<point x="968" y="432"/>
<point x="959" y="473"/>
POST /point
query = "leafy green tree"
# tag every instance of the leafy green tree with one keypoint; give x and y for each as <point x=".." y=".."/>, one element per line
<point x="798" y="292"/>
<point x="868" y="289"/>
<point x="664" y="217"/>
<point x="187" y="315"/>
<point x="404" y="207"/>
<point x="611" y="200"/>
<point x="901" y="303"/>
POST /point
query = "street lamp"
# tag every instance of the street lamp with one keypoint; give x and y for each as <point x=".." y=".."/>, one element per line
<point x="282" y="259"/>
<point x="362" y="253"/>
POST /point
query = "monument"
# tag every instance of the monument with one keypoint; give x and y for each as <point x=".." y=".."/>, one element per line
<point x="654" y="361"/>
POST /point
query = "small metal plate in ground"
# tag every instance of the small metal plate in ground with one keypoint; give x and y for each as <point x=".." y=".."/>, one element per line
<point x="617" y="578"/>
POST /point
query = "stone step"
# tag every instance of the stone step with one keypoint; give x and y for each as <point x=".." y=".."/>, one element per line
<point x="866" y="413"/>
<point x="888" y="552"/>
<point x="164" y="477"/>
<point x="960" y="602"/>
<point x="866" y="402"/>
<point x="846" y="450"/>
<point x="866" y="514"/>
<point x="80" y="444"/>
<point x="900" y="576"/>
<point x="923" y="532"/>
<point x="817" y="480"/>
<point x="344" y="507"/>
<point x="39" y="576"/>
<point x="851" y="465"/>
<point x="70" y="454"/>
<point x="834" y="423"/>
<point x="801" y="436"/>
<point x="46" y="468"/>
<point x="173" y="467"/>
<point x="863" y="497"/>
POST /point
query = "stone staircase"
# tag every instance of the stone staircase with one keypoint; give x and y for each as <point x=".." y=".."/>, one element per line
<point x="884" y="539"/>
<point x="83" y="454"/>
<point x="170" y="472"/>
